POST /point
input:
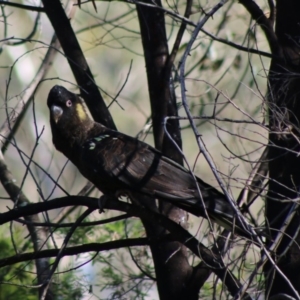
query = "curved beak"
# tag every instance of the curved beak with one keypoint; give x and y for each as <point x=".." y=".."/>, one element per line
<point x="56" y="112"/>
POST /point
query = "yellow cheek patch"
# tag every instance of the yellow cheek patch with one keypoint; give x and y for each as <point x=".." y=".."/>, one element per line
<point x="81" y="112"/>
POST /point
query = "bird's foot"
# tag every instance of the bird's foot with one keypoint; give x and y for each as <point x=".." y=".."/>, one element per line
<point x="101" y="203"/>
<point x="106" y="197"/>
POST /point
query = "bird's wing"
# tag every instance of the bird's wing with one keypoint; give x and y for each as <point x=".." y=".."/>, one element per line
<point x="138" y="166"/>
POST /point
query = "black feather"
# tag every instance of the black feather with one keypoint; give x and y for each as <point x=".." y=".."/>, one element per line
<point x="116" y="162"/>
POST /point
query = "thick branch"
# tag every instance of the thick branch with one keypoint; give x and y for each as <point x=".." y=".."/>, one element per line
<point x="77" y="62"/>
<point x="265" y="24"/>
<point x="75" y="250"/>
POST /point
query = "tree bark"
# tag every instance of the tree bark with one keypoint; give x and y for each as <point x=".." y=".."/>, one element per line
<point x="172" y="268"/>
<point x="284" y="146"/>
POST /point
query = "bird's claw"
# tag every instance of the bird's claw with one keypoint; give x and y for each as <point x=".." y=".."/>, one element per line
<point x="101" y="203"/>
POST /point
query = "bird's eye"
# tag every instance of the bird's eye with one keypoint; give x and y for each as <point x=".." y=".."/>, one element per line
<point x="69" y="103"/>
